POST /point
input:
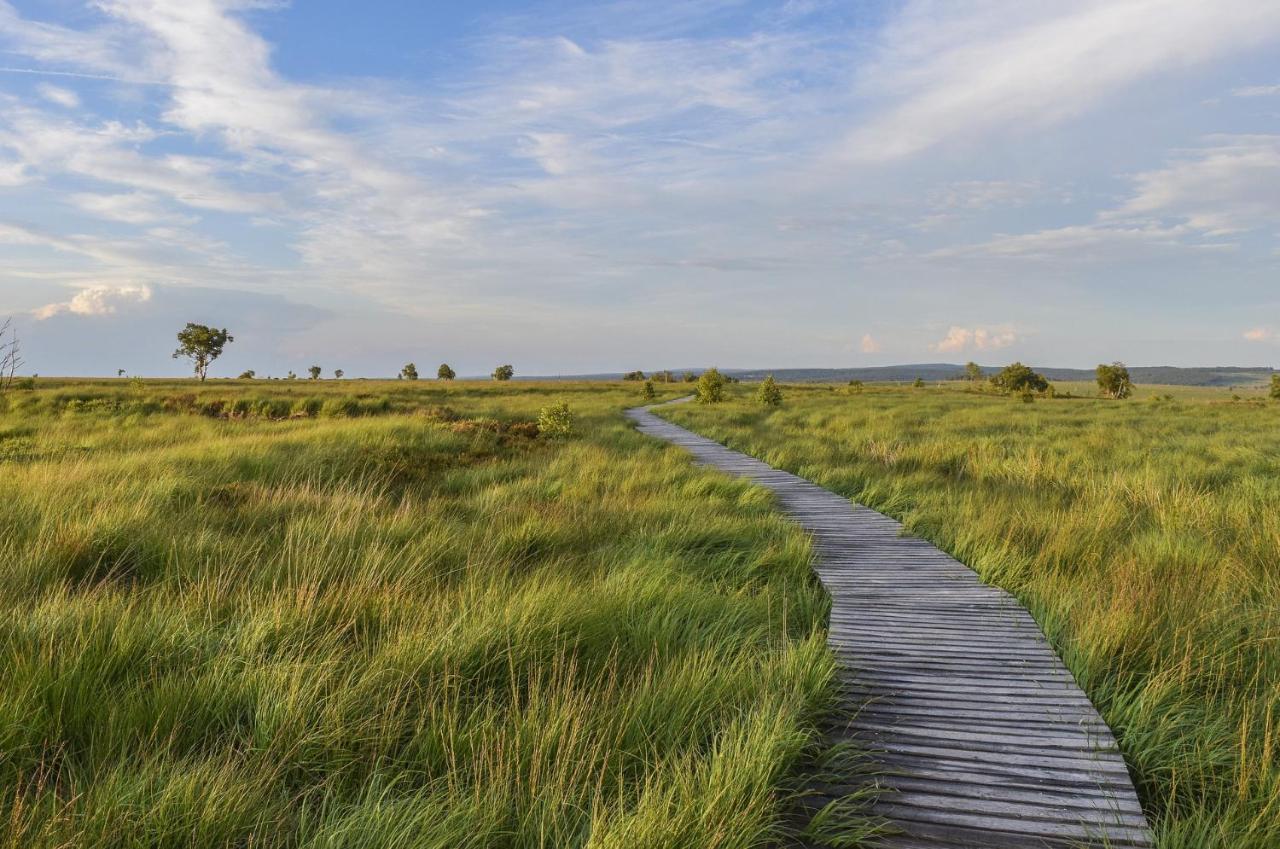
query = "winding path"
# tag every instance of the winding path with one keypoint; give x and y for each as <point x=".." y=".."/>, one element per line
<point x="982" y="736"/>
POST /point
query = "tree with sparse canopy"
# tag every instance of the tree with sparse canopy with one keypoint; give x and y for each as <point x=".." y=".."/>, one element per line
<point x="314" y="371"/>
<point x="10" y="355"/>
<point x="1017" y="377"/>
<point x="249" y="374"/>
<point x="710" y="387"/>
<point x="409" y="372"/>
<point x="505" y="372"/>
<point x="202" y="345"/>
<point x="769" y="395"/>
<point x="338" y="373"/>
<point x="1113" y="380"/>
<point x="648" y="391"/>
<point x="634" y="375"/>
<point x="445" y="373"/>
<point x="972" y="372"/>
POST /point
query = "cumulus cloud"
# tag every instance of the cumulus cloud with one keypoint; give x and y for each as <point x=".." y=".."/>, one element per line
<point x="870" y="345"/>
<point x="978" y="338"/>
<point x="95" y="300"/>
<point x="1258" y="334"/>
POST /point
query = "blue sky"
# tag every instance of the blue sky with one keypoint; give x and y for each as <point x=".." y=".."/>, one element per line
<point x="575" y="187"/>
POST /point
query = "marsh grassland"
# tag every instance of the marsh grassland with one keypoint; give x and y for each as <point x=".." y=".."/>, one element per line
<point x="389" y="615"/>
<point x="1144" y="535"/>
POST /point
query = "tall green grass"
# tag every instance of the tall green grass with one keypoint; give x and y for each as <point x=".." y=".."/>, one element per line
<point x="392" y="625"/>
<point x="1143" y="535"/>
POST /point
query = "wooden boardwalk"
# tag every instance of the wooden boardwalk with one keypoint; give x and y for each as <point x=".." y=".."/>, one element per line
<point x="982" y="736"/>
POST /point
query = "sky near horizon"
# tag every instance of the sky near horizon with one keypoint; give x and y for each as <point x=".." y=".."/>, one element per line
<point x="579" y="187"/>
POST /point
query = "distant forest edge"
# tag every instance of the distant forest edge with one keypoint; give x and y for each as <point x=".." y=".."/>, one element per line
<point x="1166" y="375"/>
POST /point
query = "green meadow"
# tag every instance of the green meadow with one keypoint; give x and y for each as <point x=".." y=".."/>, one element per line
<point x="357" y="614"/>
<point x="1143" y="534"/>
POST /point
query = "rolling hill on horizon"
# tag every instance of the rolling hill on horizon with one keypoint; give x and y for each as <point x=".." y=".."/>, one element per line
<point x="1164" y="375"/>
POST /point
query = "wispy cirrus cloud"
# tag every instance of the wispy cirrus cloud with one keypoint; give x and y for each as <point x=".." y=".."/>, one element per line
<point x="957" y="72"/>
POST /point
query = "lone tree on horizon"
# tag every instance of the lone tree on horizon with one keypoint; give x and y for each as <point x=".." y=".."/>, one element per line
<point x="972" y="372"/>
<point x="445" y="373"/>
<point x="314" y="371"/>
<point x="1019" y="378"/>
<point x="409" y="372"/>
<point x="202" y="345"/>
<point x="338" y="373"/>
<point x="1113" y="380"/>
<point x="505" y="372"/>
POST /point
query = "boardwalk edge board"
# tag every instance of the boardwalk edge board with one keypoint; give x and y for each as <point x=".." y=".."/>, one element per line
<point x="947" y="664"/>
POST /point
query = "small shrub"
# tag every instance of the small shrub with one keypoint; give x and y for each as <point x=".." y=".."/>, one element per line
<point x="710" y="387"/>
<point x="856" y="387"/>
<point x="769" y="395"/>
<point x="248" y="374"/>
<point x="634" y="375"/>
<point x="556" y="421"/>
<point x="918" y="383"/>
<point x="1275" y="386"/>
<point x="648" y="392"/>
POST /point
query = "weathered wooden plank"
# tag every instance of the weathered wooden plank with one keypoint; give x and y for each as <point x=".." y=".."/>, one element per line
<point x="982" y="736"/>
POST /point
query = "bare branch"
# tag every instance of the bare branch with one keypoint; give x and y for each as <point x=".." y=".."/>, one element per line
<point x="10" y="355"/>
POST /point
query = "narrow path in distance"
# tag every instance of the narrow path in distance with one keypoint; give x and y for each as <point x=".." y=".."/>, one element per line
<point x="981" y="735"/>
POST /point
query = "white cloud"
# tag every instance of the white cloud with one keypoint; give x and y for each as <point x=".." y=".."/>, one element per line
<point x="13" y="173"/>
<point x="1256" y="91"/>
<point x="60" y="96"/>
<point x="979" y="338"/>
<point x="95" y="300"/>
<point x="959" y="70"/>
<point x="130" y="208"/>
<point x="869" y="344"/>
<point x="1230" y="186"/>
<point x="1258" y="334"/>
